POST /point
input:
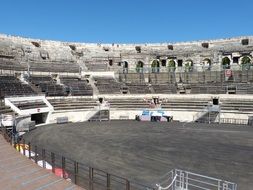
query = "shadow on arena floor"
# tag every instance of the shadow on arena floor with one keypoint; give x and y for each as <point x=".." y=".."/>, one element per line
<point x="145" y="151"/>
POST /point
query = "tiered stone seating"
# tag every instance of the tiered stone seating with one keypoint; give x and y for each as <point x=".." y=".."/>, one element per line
<point x="133" y="77"/>
<point x="23" y="105"/>
<point x="54" y="66"/>
<point x="237" y="105"/>
<point x="185" y="104"/>
<point x="96" y="66"/>
<point x="136" y="103"/>
<point x="48" y="86"/>
<point x="244" y="88"/>
<point x="208" y="88"/>
<point x="11" y="86"/>
<point x="87" y="104"/>
<point x="73" y="103"/>
<point x="169" y="104"/>
<point x="77" y="87"/>
<point x="6" y="64"/>
<point x="4" y="109"/>
<point x="158" y="78"/>
<point x="107" y="85"/>
<point x="164" y="88"/>
<point x="138" y="88"/>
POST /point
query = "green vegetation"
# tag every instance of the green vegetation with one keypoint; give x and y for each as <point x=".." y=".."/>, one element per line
<point x="139" y="67"/>
<point x="171" y="65"/>
<point x="245" y="60"/>
<point x="188" y="65"/>
<point x="225" y="62"/>
<point x="155" y="66"/>
<point x="246" y="63"/>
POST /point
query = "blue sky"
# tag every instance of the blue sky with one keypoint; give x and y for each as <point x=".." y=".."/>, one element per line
<point x="126" y="21"/>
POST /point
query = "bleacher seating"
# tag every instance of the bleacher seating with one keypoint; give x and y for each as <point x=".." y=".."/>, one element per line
<point x="157" y="78"/>
<point x="164" y="88"/>
<point x="77" y="87"/>
<point x="185" y="104"/>
<point x="4" y="109"/>
<point x="133" y="77"/>
<point x="237" y="105"/>
<point x="169" y="104"/>
<point x="107" y="85"/>
<point x="7" y="64"/>
<point x="48" y="85"/>
<point x="96" y="66"/>
<point x="175" y="104"/>
<point x="11" y="86"/>
<point x="54" y="66"/>
<point x="138" y="88"/>
<point x="136" y="103"/>
<point x="23" y="105"/>
<point x="244" y="88"/>
<point x="208" y="88"/>
<point x="73" y="103"/>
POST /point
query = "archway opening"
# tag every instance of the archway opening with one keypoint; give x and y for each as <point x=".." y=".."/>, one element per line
<point x="110" y="62"/>
<point x="163" y="62"/>
<point x="225" y="63"/>
<point x="125" y="66"/>
<point x="171" y="65"/>
<point x="188" y="64"/>
<point x="139" y="67"/>
<point x="155" y="66"/>
<point x="246" y="62"/>
<point x="207" y="63"/>
<point x="180" y="63"/>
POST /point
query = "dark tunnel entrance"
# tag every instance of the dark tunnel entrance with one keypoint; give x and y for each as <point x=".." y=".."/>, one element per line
<point x="39" y="118"/>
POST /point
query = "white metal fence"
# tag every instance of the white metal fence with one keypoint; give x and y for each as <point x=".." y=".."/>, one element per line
<point x="184" y="180"/>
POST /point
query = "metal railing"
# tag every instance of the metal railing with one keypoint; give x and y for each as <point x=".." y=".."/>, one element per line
<point x="225" y="121"/>
<point x="80" y="174"/>
<point x="195" y="68"/>
<point x="200" y="114"/>
<point x="184" y="180"/>
<point x="234" y="121"/>
<point x="189" y="77"/>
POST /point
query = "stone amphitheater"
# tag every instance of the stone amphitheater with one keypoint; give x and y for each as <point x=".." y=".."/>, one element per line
<point x="45" y="83"/>
<point x="40" y="55"/>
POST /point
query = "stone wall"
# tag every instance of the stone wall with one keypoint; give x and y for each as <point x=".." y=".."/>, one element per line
<point x="114" y="56"/>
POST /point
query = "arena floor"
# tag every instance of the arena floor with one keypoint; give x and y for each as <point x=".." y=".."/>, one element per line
<point x="145" y="151"/>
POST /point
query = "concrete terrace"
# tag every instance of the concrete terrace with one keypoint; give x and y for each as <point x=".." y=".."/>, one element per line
<point x="18" y="172"/>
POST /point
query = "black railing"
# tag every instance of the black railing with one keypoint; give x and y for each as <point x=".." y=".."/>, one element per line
<point x="80" y="174"/>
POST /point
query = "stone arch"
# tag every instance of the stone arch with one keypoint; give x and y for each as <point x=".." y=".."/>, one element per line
<point x="245" y="59"/>
<point x="226" y="62"/>
<point x="171" y="65"/>
<point x="207" y="63"/>
<point x="125" y="66"/>
<point x="245" y="62"/>
<point x="155" y="65"/>
<point x="44" y="54"/>
<point x="139" y="66"/>
<point x="188" y="64"/>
